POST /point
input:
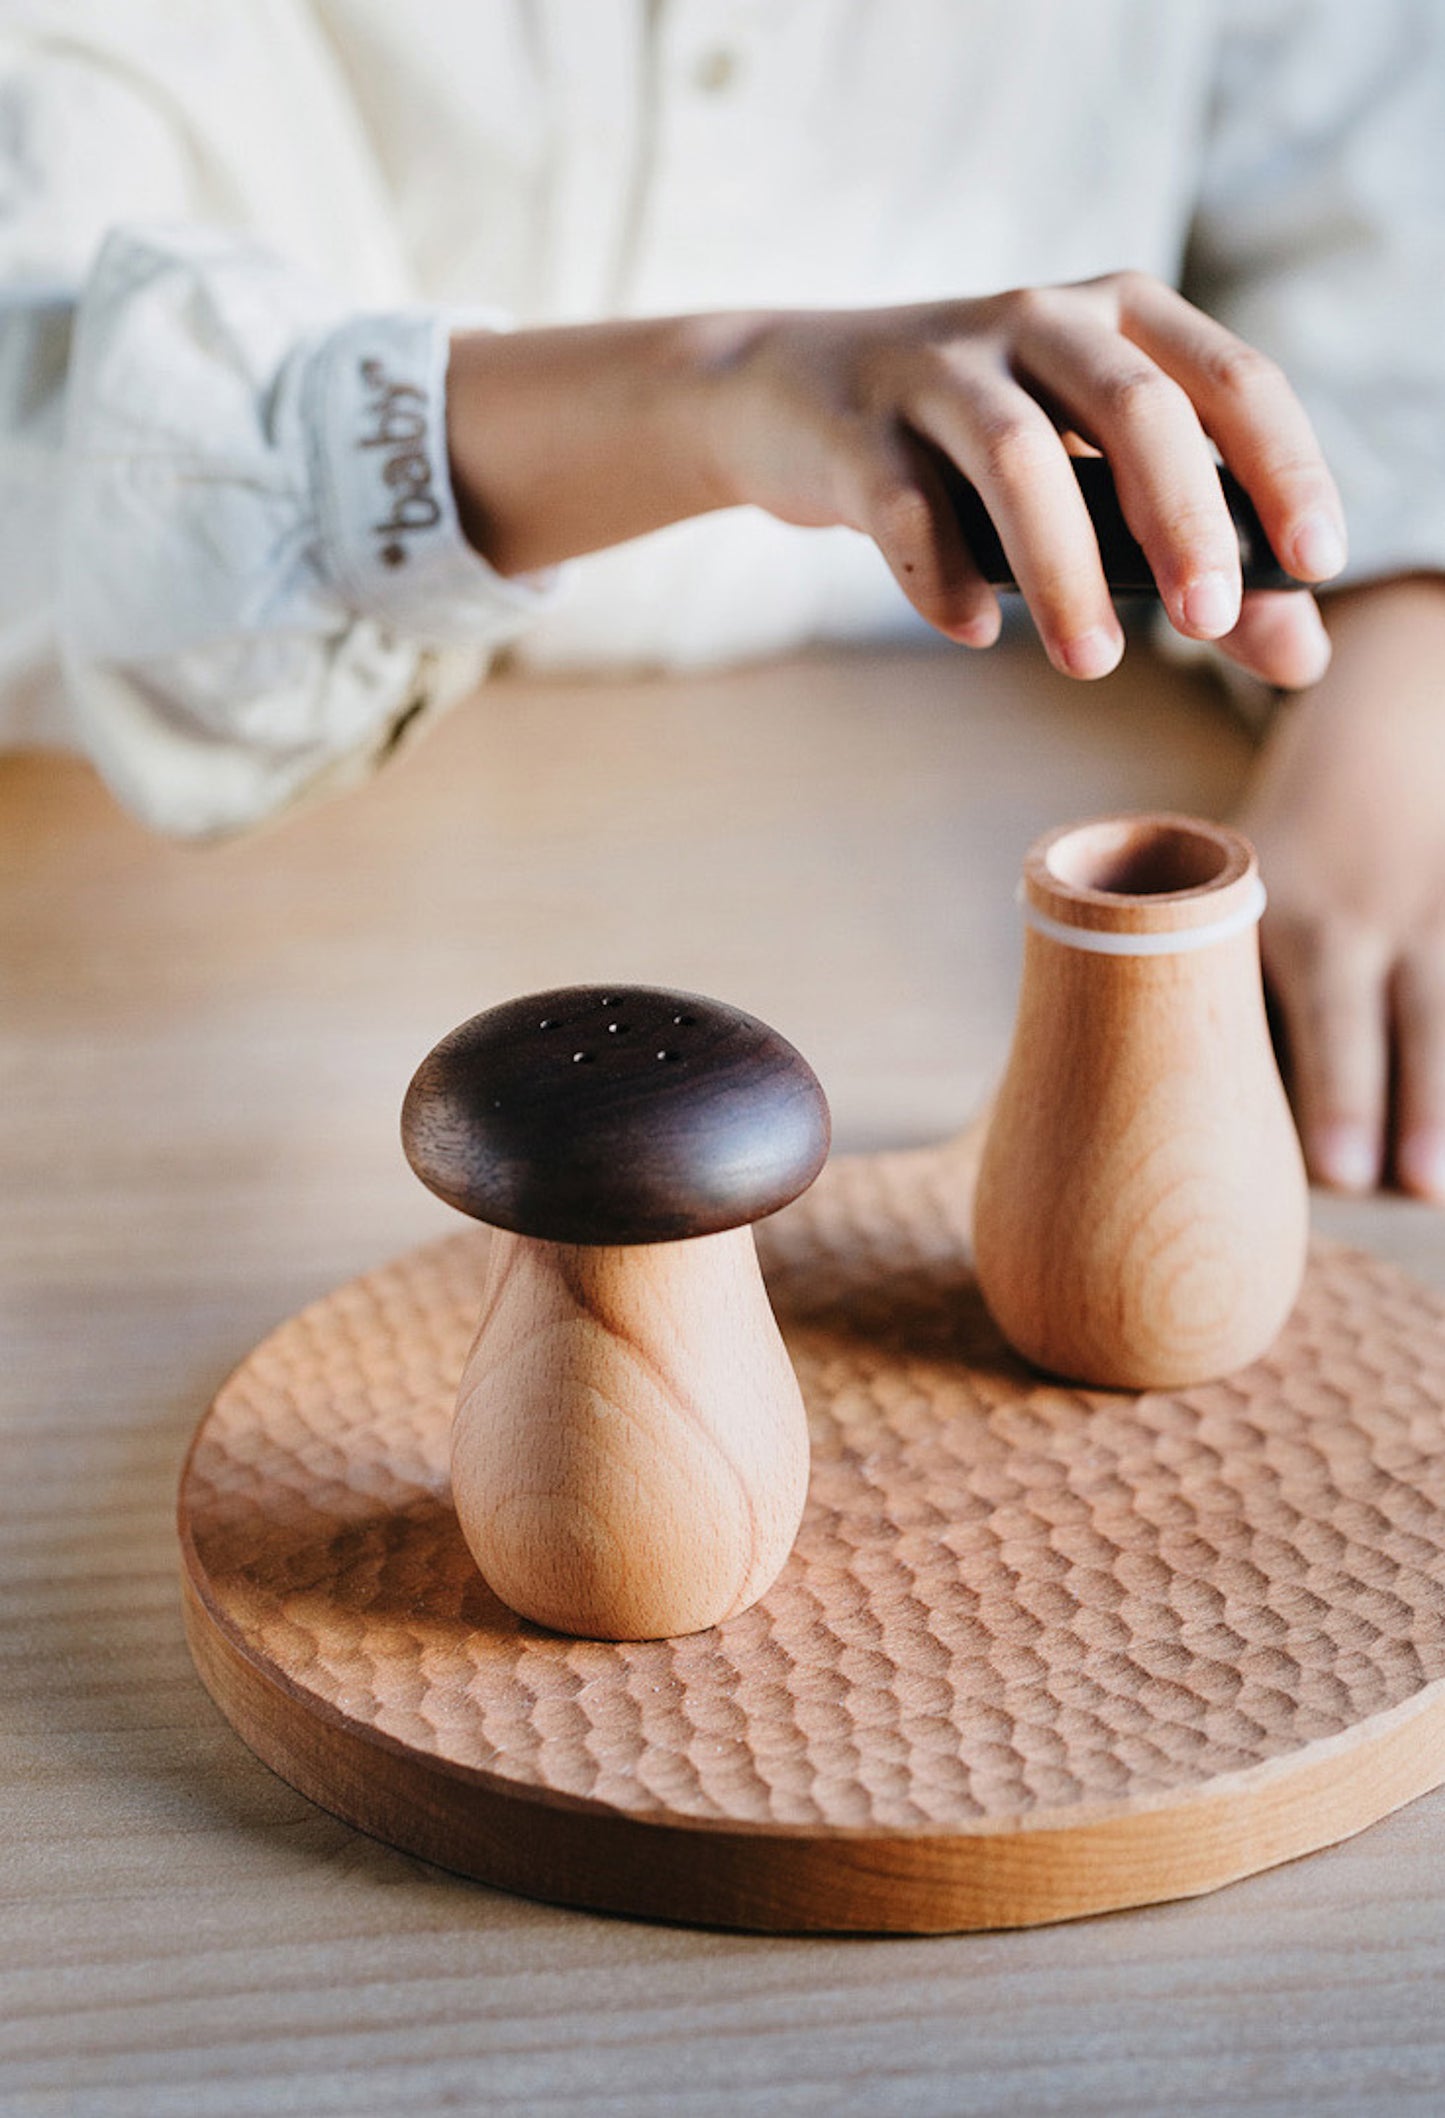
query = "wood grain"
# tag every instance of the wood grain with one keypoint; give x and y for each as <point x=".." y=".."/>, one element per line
<point x="1142" y="1208"/>
<point x="202" y="1056"/>
<point x="629" y="1449"/>
<point x="615" y="1114"/>
<point x="1037" y="1652"/>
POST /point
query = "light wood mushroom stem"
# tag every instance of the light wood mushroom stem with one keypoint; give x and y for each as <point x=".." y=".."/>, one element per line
<point x="630" y="1450"/>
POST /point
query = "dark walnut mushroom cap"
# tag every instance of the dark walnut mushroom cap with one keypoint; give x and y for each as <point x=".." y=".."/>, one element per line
<point x="616" y="1115"/>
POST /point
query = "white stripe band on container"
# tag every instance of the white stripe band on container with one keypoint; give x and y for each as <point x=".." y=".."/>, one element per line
<point x="1179" y="943"/>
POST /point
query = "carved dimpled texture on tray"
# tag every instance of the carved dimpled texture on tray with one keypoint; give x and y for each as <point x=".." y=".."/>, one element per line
<point x="1011" y="1603"/>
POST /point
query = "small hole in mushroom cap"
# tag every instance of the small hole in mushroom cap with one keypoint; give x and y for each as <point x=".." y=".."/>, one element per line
<point x="545" y="1023"/>
<point x="610" y="1000"/>
<point x="685" y="1021"/>
<point x="581" y="1058"/>
<point x="672" y="1057"/>
<point x="617" y="1029"/>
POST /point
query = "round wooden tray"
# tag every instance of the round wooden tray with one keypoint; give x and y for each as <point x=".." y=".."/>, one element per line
<point x="1039" y="1651"/>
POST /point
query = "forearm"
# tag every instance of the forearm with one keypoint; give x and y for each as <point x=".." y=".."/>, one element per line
<point x="564" y="441"/>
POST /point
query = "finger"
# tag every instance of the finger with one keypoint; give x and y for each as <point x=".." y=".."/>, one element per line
<point x="1419" y="1016"/>
<point x="1280" y="638"/>
<point x="1161" y="459"/>
<point x="1248" y="406"/>
<point x="1330" y="987"/>
<point x="999" y="437"/>
<point x="904" y="507"/>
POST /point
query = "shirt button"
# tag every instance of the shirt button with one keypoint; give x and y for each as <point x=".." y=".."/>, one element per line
<point x="715" y="71"/>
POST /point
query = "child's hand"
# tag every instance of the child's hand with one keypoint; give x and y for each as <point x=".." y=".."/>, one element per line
<point x="835" y="417"/>
<point x="566" y="440"/>
<point x="1348" y="814"/>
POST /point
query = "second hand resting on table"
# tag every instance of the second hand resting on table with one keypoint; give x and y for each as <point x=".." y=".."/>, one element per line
<point x="567" y="440"/>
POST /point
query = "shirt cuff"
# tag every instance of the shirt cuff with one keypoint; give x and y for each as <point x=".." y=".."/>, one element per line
<point x="374" y="403"/>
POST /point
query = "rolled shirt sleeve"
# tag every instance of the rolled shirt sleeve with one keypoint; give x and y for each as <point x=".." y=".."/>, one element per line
<point x="261" y="576"/>
<point x="230" y="567"/>
<point x="1320" y="238"/>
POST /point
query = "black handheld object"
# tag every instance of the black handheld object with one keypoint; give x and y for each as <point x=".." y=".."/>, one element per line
<point x="1125" y="567"/>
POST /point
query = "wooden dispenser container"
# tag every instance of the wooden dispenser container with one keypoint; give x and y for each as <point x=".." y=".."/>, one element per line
<point x="630" y="1450"/>
<point x="1141" y="1215"/>
<point x="1037" y="1651"/>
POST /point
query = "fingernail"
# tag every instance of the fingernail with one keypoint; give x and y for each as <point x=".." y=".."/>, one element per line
<point x="1317" y="547"/>
<point x="1211" y="605"/>
<point x="1421" y="1162"/>
<point x="1093" y="653"/>
<point x="976" y="632"/>
<point x="1346" y="1157"/>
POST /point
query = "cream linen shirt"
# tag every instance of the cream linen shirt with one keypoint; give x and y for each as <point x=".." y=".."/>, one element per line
<point x="236" y="234"/>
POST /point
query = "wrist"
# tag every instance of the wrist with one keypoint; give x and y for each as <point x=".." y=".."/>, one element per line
<point x="562" y="441"/>
<point x="706" y="359"/>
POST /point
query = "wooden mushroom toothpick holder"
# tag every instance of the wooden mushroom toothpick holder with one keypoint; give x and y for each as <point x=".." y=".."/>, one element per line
<point x="629" y="1453"/>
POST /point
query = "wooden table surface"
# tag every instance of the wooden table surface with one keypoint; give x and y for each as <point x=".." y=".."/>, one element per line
<point x="203" y="1053"/>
